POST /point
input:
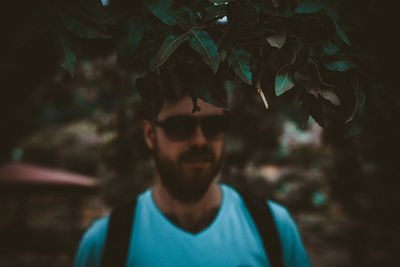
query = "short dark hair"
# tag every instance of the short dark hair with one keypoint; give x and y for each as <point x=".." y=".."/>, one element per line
<point x="176" y="81"/>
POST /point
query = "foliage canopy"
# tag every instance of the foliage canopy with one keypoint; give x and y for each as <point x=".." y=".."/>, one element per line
<point x="276" y="46"/>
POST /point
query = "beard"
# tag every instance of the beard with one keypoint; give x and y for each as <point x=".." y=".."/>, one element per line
<point x="188" y="185"/>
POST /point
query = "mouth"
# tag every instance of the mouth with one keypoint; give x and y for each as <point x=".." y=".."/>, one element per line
<point x="196" y="158"/>
<point x="197" y="161"/>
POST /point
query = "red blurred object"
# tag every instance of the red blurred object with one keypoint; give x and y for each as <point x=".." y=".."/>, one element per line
<point x="22" y="174"/>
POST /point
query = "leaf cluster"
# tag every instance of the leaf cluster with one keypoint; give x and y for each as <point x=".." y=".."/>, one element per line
<point x="286" y="45"/>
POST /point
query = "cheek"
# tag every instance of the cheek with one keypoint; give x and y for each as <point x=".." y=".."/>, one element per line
<point x="218" y="147"/>
<point x="168" y="149"/>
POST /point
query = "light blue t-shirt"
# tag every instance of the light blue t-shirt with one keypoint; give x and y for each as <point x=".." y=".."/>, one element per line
<point x="230" y="240"/>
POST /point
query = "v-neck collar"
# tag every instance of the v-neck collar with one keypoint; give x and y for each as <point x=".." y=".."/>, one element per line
<point x="174" y="227"/>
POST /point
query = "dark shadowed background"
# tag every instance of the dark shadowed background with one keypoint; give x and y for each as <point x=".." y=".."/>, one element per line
<point x="72" y="148"/>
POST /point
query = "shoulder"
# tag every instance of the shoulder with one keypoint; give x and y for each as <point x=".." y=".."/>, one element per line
<point x="292" y="246"/>
<point x="293" y="249"/>
<point x="284" y="222"/>
<point x="280" y="213"/>
<point x="230" y="193"/>
<point x="281" y="216"/>
<point x="92" y="244"/>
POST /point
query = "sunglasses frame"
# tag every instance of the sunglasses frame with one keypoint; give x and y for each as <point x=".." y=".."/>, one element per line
<point x="202" y="121"/>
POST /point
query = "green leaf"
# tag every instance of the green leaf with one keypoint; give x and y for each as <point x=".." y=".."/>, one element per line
<point x="184" y="17"/>
<point x="358" y="118"/>
<point x="240" y="61"/>
<point x="131" y="39"/>
<point x="307" y="6"/>
<point x="214" y="99"/>
<point x="339" y="65"/>
<point x="277" y="40"/>
<point x="214" y="12"/>
<point x="63" y="45"/>
<point x="328" y="94"/>
<point x="341" y="33"/>
<point x="94" y="7"/>
<point x="360" y="99"/>
<point x="323" y="49"/>
<point x="79" y="22"/>
<point x="133" y="88"/>
<point x="267" y="7"/>
<point x="219" y="2"/>
<point x="312" y="70"/>
<point x="283" y="82"/>
<point x="352" y="130"/>
<point x="329" y="49"/>
<point x="298" y="77"/>
<point x="283" y="79"/>
<point x="222" y="55"/>
<point x="163" y="10"/>
<point x="205" y="46"/>
<point x="170" y="44"/>
<point x="98" y="12"/>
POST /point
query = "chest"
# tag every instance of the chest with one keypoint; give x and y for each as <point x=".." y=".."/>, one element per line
<point x="230" y="240"/>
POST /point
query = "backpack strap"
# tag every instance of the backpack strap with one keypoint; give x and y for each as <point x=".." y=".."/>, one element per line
<point x="118" y="235"/>
<point x="262" y="216"/>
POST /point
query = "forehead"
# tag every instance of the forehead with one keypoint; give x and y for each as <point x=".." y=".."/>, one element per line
<point x="185" y="107"/>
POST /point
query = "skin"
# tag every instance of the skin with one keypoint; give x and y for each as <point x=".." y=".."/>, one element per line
<point x="194" y="215"/>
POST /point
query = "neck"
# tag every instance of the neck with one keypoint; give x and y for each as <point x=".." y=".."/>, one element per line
<point x="191" y="217"/>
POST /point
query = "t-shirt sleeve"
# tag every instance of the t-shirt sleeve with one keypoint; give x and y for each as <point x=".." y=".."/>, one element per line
<point x="294" y="253"/>
<point x="92" y="244"/>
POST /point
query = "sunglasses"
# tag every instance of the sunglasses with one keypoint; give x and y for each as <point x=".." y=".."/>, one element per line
<point x="182" y="127"/>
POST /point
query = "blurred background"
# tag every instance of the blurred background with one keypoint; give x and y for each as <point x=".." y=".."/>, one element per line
<point x="72" y="148"/>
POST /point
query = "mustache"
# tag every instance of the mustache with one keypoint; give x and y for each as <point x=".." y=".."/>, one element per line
<point x="204" y="153"/>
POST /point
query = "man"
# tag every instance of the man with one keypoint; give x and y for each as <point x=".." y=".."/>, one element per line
<point x="187" y="219"/>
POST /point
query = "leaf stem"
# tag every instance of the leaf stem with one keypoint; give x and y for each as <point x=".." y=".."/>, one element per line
<point x="258" y="84"/>
<point x="259" y="90"/>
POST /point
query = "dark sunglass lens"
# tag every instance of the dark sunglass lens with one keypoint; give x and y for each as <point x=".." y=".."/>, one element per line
<point x="179" y="127"/>
<point x="213" y="126"/>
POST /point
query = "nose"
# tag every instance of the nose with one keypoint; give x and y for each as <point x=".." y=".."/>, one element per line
<point x="198" y="138"/>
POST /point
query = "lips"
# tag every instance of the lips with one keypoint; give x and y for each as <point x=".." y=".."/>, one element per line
<point x="197" y="159"/>
<point x="196" y="164"/>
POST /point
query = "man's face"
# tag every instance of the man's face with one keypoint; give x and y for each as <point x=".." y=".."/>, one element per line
<point x="186" y="166"/>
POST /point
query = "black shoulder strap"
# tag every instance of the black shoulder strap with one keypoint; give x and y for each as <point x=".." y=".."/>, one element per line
<point x="118" y="236"/>
<point x="262" y="216"/>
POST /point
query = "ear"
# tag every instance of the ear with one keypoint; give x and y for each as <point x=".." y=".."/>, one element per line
<point x="149" y="133"/>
